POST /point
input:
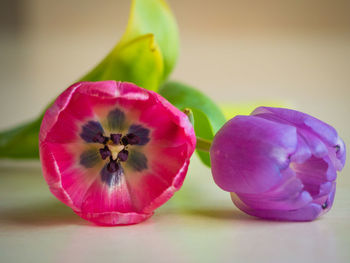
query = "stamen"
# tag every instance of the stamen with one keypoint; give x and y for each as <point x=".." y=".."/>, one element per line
<point x="99" y="138"/>
<point x="116" y="149"/>
<point x="105" y="152"/>
<point x="131" y="139"/>
<point x="123" y="155"/>
<point x="124" y="141"/>
<point x="115" y="137"/>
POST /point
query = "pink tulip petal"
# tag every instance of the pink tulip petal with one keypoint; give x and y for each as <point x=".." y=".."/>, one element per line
<point x="153" y="138"/>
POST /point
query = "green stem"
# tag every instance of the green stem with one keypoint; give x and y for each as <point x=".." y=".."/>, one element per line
<point x="203" y="144"/>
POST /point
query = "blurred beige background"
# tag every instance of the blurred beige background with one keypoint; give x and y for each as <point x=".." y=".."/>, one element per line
<point x="235" y="51"/>
<point x="296" y="52"/>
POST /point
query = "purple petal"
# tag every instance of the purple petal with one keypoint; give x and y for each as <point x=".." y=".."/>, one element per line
<point x="340" y="155"/>
<point x="248" y="153"/>
<point x="306" y="213"/>
<point x="302" y="152"/>
<point x="315" y="172"/>
<point x="304" y="121"/>
<point x="330" y="198"/>
<point x="325" y="190"/>
<point x="287" y="195"/>
<point x="316" y="146"/>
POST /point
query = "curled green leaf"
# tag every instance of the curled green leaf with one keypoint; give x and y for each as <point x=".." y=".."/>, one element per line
<point x="139" y="61"/>
<point x="155" y="17"/>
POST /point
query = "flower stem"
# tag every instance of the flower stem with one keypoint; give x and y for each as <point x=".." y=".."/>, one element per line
<point x="203" y="144"/>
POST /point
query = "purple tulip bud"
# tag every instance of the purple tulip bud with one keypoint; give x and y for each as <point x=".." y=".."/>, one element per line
<point x="278" y="163"/>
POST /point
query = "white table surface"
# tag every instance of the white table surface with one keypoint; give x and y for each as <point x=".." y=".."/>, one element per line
<point x="199" y="224"/>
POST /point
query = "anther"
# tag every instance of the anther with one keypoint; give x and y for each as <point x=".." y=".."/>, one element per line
<point x="123" y="155"/>
<point x="115" y="137"/>
<point x="105" y="152"/>
<point x="131" y="139"/>
<point x="99" y="138"/>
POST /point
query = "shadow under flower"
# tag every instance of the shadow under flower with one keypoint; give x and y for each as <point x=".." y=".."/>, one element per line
<point x="44" y="214"/>
<point x="221" y="214"/>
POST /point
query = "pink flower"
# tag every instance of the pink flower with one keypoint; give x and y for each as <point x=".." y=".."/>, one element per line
<point x="114" y="152"/>
<point x="278" y="163"/>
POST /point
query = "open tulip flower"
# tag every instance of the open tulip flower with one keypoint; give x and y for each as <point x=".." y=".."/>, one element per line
<point x="278" y="163"/>
<point x="114" y="152"/>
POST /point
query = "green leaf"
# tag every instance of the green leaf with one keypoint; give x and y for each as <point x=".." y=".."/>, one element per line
<point x="208" y="118"/>
<point x="21" y="141"/>
<point x="139" y="61"/>
<point x="154" y="17"/>
<point x="203" y="129"/>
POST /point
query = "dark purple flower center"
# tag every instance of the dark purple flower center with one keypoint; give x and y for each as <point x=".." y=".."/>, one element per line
<point x="115" y="148"/>
<point x="110" y="144"/>
<point x="113" y="166"/>
<point x="105" y="152"/>
<point x="100" y="138"/>
<point x="131" y="139"/>
<point x="115" y="137"/>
